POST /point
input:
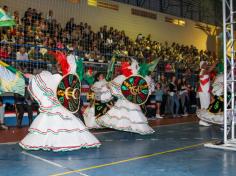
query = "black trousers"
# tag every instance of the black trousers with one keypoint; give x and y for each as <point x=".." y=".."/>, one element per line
<point x="20" y="109"/>
<point x="163" y="104"/>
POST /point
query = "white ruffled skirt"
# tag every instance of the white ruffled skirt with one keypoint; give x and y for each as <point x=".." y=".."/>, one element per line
<point x="126" y="116"/>
<point x="209" y="117"/>
<point x="52" y="132"/>
<point x="90" y="119"/>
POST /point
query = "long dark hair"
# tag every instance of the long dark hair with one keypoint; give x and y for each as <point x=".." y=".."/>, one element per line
<point x="97" y="76"/>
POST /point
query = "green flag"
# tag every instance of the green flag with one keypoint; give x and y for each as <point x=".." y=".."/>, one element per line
<point x="110" y="69"/>
<point x="152" y="65"/>
<point x="79" y="68"/>
<point x="11" y="80"/>
<point x="5" y="20"/>
<point x="146" y="69"/>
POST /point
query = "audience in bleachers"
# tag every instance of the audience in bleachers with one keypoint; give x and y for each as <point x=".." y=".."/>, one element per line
<point x="45" y="32"/>
<point x="34" y="29"/>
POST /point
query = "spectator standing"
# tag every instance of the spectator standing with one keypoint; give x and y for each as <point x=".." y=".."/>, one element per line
<point x="164" y="85"/>
<point x="49" y="17"/>
<point x="19" y="107"/>
<point x="6" y="10"/>
<point x="174" y="101"/>
<point x="184" y="96"/>
<point x="70" y="25"/>
<point x="2" y="112"/>
<point x="159" y="97"/>
<point x="29" y="104"/>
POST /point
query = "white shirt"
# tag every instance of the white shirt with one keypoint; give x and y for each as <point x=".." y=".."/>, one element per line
<point x="20" y="56"/>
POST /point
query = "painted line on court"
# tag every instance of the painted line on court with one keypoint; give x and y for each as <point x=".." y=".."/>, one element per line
<point x="8" y="143"/>
<point x="139" y="139"/>
<point x="131" y="159"/>
<point x="49" y="162"/>
<point x="154" y="139"/>
<point x="42" y="159"/>
<point x="104" y="132"/>
<point x="200" y="138"/>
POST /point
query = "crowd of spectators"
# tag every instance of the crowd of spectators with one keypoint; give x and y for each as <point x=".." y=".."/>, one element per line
<point x="33" y="27"/>
<point x="35" y="33"/>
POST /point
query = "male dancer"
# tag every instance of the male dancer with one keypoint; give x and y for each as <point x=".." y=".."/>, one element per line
<point x="204" y="88"/>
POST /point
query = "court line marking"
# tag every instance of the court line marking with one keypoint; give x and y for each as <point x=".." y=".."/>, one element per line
<point x="8" y="143"/>
<point x="104" y="132"/>
<point x="132" y="159"/>
<point x="49" y="162"/>
<point x="42" y="159"/>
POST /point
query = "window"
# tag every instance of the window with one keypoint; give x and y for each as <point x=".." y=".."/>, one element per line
<point x="175" y="21"/>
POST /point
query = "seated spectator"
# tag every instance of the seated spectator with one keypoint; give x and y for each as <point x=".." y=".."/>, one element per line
<point x="48" y="58"/>
<point x="3" y="52"/>
<point x="34" y="54"/>
<point x="8" y="36"/>
<point x="22" y="55"/>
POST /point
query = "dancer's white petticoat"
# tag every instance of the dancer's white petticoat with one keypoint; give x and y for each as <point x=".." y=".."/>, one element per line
<point x="55" y="128"/>
<point x="124" y="115"/>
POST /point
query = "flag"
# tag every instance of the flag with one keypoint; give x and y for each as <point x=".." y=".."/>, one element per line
<point x="89" y="76"/>
<point x="11" y="80"/>
<point x="110" y="69"/>
<point x="79" y="68"/>
<point x="5" y="20"/>
<point x="146" y="69"/>
<point x="152" y="65"/>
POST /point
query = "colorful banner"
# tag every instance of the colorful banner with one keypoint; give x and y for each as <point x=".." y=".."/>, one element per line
<point x="11" y="80"/>
<point x="5" y="20"/>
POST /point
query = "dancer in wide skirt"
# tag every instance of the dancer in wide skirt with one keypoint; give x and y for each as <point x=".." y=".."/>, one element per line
<point x="56" y="128"/>
<point x="126" y="115"/>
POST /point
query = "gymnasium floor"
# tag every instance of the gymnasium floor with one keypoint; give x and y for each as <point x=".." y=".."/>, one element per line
<point x="174" y="150"/>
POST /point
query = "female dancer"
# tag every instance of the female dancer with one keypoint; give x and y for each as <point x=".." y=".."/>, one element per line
<point x="125" y="115"/>
<point x="55" y="128"/>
